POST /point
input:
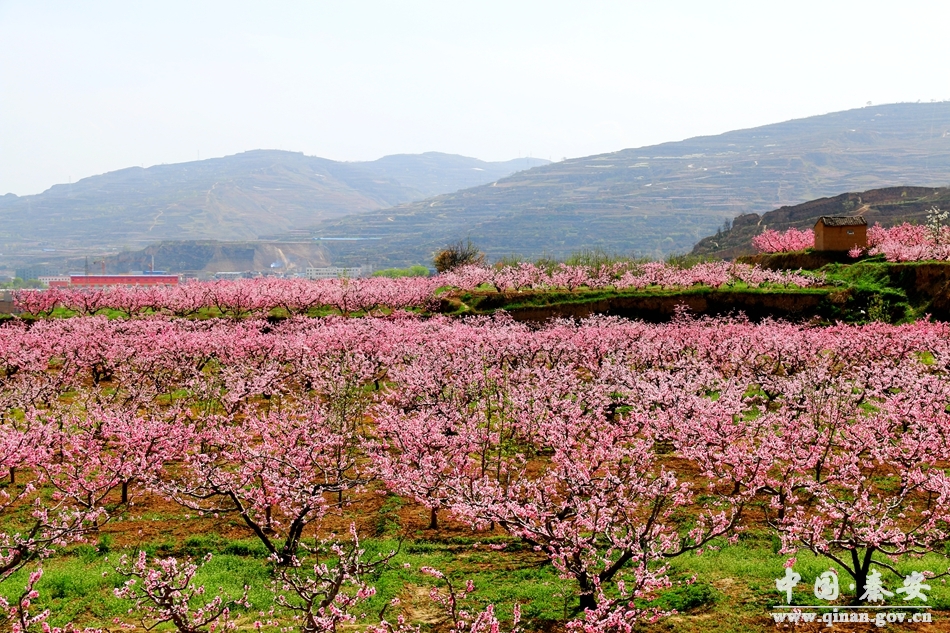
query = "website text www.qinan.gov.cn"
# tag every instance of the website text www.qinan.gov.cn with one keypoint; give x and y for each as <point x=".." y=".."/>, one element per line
<point x="830" y="618"/>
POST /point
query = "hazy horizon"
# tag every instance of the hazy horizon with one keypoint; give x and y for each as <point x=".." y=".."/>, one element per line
<point x="93" y="88"/>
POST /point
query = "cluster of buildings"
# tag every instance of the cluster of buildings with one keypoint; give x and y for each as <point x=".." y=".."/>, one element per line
<point x="157" y="278"/>
<point x="333" y="272"/>
<point x="162" y="278"/>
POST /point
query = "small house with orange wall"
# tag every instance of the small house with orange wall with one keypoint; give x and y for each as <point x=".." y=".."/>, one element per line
<point x="840" y="232"/>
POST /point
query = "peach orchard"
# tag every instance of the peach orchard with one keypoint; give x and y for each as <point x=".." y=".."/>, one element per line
<point x="609" y="446"/>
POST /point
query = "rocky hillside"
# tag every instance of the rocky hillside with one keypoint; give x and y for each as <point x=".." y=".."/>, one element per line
<point x="211" y="256"/>
<point x="889" y="206"/>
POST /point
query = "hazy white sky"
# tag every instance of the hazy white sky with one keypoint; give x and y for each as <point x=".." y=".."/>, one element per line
<point x="89" y="87"/>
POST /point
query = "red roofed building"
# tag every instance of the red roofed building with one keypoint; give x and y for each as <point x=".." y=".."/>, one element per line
<point x="55" y="281"/>
<point x="100" y="281"/>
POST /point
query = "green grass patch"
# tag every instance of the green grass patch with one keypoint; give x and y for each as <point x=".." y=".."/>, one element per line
<point x="725" y="583"/>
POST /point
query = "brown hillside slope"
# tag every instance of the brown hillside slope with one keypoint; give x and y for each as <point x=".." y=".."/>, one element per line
<point x="889" y="206"/>
<point x="211" y="256"/>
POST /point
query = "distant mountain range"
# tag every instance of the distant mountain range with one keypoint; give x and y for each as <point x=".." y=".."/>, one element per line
<point x="660" y="199"/>
<point x="890" y="206"/>
<point x="238" y="197"/>
<point x="398" y="210"/>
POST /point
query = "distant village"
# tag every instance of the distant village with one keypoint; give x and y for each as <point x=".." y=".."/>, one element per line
<point x="86" y="279"/>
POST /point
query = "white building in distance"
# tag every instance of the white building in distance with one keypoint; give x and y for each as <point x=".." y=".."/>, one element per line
<point x="333" y="272"/>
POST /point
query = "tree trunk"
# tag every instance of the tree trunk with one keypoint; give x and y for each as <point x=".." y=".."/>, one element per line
<point x="125" y="491"/>
<point x="861" y="570"/>
<point x="587" y="601"/>
<point x="12" y="475"/>
<point x="292" y="542"/>
<point x="860" y="579"/>
<point x="433" y="519"/>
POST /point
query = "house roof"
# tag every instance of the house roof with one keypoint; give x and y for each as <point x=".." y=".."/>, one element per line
<point x="842" y="220"/>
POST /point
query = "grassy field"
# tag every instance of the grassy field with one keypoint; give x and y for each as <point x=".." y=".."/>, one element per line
<point x="726" y="588"/>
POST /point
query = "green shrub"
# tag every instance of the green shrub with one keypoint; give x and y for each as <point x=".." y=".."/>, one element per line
<point x="245" y="548"/>
<point x="104" y="546"/>
<point x="395" y="273"/>
<point x="685" y="598"/>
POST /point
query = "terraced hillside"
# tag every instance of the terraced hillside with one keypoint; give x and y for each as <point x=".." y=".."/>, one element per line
<point x="664" y="198"/>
